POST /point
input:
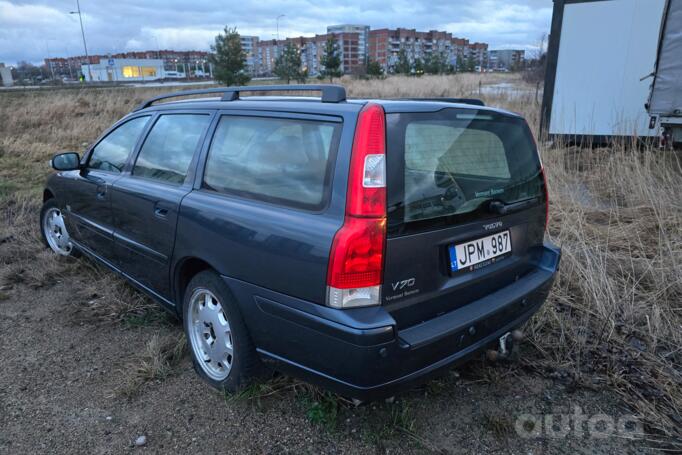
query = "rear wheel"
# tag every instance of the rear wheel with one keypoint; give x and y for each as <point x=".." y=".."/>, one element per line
<point x="54" y="230"/>
<point x="222" y="351"/>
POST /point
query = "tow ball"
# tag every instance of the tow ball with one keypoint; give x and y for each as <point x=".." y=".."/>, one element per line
<point x="506" y="346"/>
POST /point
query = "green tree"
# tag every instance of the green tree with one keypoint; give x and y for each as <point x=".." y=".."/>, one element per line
<point x="470" y="64"/>
<point x="331" y="60"/>
<point x="418" y="67"/>
<point x="228" y="58"/>
<point x="288" y="65"/>
<point x="402" y="66"/>
<point x="436" y="63"/>
<point x="374" y="69"/>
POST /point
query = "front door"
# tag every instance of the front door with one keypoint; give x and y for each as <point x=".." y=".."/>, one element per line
<point x="88" y="205"/>
<point x="146" y="201"/>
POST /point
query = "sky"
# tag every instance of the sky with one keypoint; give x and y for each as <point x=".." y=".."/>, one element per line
<point x="33" y="30"/>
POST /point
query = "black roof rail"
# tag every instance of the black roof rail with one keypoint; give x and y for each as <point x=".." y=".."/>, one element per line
<point x="473" y="101"/>
<point x="330" y="93"/>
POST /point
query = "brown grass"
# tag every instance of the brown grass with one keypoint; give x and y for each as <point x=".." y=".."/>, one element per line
<point x="614" y="317"/>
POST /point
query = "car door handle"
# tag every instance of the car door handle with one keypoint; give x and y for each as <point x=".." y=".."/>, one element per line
<point x="101" y="192"/>
<point x="161" y="213"/>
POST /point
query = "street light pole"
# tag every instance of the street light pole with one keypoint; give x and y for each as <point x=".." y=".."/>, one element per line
<point x="85" y="46"/>
<point x="277" y="21"/>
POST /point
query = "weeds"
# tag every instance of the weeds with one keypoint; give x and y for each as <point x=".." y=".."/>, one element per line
<point x="159" y="360"/>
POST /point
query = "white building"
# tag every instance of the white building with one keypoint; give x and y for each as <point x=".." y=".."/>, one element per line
<point x="124" y="70"/>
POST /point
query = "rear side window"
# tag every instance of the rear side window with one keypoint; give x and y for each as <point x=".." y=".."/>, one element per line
<point x="170" y="146"/>
<point x="273" y="159"/>
<point x="112" y="152"/>
<point x="450" y="164"/>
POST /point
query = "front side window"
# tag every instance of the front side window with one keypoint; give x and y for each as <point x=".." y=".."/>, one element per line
<point x="279" y="160"/>
<point x="112" y="152"/>
<point x="170" y="146"/>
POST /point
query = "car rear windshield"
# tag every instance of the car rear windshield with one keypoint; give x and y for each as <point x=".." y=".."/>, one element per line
<point x="455" y="161"/>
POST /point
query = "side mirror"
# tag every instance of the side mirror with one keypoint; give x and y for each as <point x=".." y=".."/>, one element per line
<point x="69" y="161"/>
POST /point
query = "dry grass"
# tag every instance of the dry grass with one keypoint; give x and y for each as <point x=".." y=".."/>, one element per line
<point x="160" y="359"/>
<point x="614" y="317"/>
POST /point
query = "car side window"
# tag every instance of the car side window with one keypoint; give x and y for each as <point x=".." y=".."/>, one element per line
<point x="112" y="152"/>
<point x="169" y="147"/>
<point x="274" y="159"/>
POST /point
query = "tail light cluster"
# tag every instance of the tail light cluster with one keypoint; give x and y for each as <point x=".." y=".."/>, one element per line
<point x="355" y="271"/>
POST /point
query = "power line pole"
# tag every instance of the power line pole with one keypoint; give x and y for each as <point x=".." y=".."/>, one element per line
<point x="85" y="45"/>
<point x="277" y="21"/>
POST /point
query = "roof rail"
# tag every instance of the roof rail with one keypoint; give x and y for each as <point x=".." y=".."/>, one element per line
<point x="473" y="101"/>
<point x="330" y="93"/>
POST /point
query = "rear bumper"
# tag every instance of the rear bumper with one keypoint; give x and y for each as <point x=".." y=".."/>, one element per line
<point x="360" y="353"/>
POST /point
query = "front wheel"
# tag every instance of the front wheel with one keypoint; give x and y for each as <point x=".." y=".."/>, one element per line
<point x="221" y="348"/>
<point x="54" y="230"/>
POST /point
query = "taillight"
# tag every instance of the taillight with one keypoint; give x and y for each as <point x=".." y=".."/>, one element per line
<point x="355" y="271"/>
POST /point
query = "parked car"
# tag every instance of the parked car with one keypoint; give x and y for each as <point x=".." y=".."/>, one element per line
<point x="363" y="245"/>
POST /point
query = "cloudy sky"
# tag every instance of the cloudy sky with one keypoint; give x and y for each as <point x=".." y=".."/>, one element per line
<point x="30" y="30"/>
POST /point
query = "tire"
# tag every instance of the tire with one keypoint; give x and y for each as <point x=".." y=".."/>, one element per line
<point x="55" y="235"/>
<point x="207" y="306"/>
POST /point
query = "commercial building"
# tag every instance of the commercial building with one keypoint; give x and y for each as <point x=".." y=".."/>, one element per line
<point x="124" y="70"/>
<point x="194" y="63"/>
<point x="506" y="59"/>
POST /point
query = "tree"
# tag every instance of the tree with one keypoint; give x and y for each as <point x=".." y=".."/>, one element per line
<point x="288" y="65"/>
<point x="331" y="60"/>
<point x="228" y="59"/>
<point x="470" y="64"/>
<point x="374" y="69"/>
<point x="436" y="63"/>
<point x="402" y="66"/>
<point x="418" y="67"/>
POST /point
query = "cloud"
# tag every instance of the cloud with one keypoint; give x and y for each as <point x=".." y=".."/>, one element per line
<point x="29" y="30"/>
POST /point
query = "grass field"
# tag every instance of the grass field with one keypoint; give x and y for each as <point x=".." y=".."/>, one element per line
<point x="612" y="324"/>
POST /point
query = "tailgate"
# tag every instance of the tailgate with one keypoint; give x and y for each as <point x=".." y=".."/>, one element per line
<point x="466" y="209"/>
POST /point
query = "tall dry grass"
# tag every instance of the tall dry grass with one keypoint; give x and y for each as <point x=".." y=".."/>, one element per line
<point x="614" y="317"/>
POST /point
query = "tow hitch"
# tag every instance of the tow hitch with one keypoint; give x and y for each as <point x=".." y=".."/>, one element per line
<point x="506" y="346"/>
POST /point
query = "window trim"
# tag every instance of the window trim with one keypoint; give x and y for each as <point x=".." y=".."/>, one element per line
<point x="85" y="162"/>
<point x="189" y="176"/>
<point x="269" y="200"/>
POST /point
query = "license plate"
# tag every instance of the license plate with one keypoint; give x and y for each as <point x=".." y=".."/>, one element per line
<point x="480" y="252"/>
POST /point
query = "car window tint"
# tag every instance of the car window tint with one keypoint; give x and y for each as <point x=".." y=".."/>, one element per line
<point x="112" y="152"/>
<point x="169" y="147"/>
<point x="274" y="159"/>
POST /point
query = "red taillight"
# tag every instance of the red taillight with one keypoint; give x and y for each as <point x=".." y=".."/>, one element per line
<point x="357" y="254"/>
<point x="356" y="260"/>
<point x="367" y="178"/>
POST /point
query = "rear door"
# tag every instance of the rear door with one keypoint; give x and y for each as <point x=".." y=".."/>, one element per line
<point x="146" y="199"/>
<point x="466" y="209"/>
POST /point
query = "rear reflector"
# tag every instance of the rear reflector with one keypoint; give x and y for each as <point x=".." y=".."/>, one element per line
<point x="356" y="260"/>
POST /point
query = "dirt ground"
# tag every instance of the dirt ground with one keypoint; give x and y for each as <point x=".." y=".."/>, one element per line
<point x="61" y="392"/>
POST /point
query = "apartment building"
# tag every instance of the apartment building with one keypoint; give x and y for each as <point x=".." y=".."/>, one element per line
<point x="506" y="59"/>
<point x="385" y="44"/>
<point x="362" y="37"/>
<point x="312" y="50"/>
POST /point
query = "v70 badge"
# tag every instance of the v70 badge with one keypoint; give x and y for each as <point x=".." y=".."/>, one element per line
<point x="400" y="285"/>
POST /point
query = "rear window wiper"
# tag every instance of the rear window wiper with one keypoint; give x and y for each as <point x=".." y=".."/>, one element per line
<point x="501" y="208"/>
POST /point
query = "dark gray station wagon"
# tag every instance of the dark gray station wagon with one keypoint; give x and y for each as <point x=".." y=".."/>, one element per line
<point x="360" y="244"/>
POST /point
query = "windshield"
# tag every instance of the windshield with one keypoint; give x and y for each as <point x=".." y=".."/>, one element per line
<point x="456" y="161"/>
